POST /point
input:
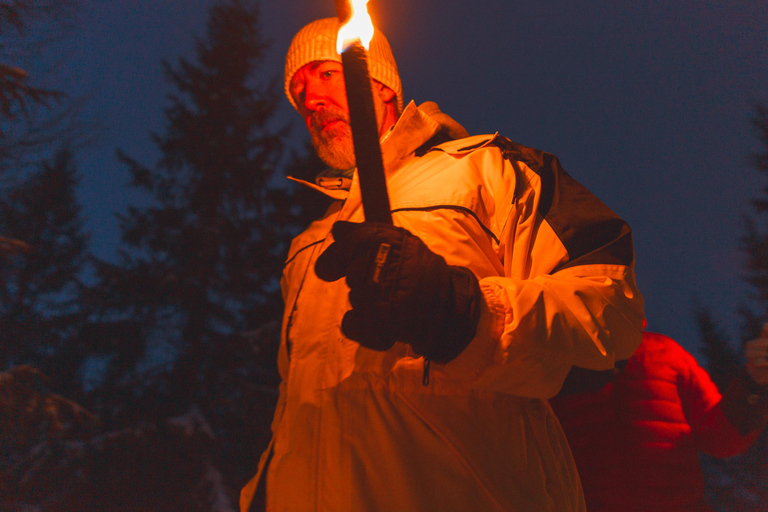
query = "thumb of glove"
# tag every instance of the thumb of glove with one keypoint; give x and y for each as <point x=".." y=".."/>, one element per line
<point x="332" y="263"/>
<point x="366" y="330"/>
<point x="328" y="266"/>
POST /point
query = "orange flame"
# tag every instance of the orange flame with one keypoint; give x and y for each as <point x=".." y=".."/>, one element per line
<point x="358" y="28"/>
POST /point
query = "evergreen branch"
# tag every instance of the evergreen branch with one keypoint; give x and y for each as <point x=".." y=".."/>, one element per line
<point x="14" y="92"/>
<point x="11" y="246"/>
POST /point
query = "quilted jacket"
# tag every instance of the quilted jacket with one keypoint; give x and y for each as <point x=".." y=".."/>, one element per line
<point x="636" y="440"/>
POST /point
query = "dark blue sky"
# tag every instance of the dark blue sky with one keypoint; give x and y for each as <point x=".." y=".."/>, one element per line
<point x="645" y="103"/>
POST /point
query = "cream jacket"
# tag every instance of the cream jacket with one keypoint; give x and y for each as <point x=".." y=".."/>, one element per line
<point x="360" y="430"/>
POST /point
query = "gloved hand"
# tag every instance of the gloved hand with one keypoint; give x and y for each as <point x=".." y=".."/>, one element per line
<point x="756" y="353"/>
<point x="401" y="291"/>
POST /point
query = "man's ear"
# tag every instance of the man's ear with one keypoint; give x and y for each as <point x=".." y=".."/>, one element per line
<point x="384" y="92"/>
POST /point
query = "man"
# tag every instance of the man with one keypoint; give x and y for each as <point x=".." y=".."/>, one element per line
<point x="418" y="382"/>
<point x="637" y="438"/>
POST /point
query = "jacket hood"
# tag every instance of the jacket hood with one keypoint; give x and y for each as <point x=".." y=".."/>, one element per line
<point x="447" y="124"/>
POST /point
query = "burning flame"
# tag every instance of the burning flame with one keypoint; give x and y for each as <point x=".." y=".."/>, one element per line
<point x="359" y="27"/>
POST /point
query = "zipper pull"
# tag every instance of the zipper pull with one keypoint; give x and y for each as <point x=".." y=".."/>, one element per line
<point x="425" y="377"/>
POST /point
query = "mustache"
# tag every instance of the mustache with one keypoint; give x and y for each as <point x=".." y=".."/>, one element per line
<point x="328" y="115"/>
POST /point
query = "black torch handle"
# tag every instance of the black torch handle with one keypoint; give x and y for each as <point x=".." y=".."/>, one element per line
<point x="365" y="135"/>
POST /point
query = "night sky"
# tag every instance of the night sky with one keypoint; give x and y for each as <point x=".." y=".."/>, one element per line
<point x="646" y="103"/>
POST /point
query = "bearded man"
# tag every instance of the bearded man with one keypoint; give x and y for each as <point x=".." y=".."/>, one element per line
<point x="417" y="359"/>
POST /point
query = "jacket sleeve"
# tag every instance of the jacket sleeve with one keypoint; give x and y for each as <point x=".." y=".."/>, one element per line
<point x="568" y="295"/>
<point x="728" y="425"/>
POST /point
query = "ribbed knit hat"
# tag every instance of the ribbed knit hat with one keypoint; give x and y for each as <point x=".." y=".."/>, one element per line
<point x="317" y="41"/>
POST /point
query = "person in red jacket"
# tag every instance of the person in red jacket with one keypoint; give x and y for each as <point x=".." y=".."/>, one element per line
<point x="637" y="438"/>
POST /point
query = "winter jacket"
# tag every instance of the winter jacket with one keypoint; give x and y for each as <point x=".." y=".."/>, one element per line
<point x="636" y="440"/>
<point x="360" y="430"/>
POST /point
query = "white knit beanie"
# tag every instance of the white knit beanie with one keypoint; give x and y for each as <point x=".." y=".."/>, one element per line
<point x="317" y="41"/>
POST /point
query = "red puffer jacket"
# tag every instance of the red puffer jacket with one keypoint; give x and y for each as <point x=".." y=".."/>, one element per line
<point x="636" y="440"/>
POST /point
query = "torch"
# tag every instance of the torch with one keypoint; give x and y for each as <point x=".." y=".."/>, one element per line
<point x="352" y="41"/>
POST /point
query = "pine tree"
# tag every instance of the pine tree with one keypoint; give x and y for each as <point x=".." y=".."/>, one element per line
<point x="40" y="287"/>
<point x="41" y="317"/>
<point x="723" y="361"/>
<point x="17" y="94"/>
<point x="42" y="240"/>
<point x="755" y="241"/>
<point x="34" y="118"/>
<point x="190" y="313"/>
<point x="741" y="483"/>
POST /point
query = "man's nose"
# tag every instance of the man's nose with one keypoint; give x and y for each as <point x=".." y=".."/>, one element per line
<point x="314" y="97"/>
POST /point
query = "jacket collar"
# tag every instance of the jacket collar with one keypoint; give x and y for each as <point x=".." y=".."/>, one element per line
<point x="412" y="130"/>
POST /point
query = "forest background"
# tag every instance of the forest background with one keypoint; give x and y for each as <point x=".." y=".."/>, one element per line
<point x="140" y="374"/>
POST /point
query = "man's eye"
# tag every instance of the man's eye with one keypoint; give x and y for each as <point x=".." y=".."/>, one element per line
<point x="328" y="73"/>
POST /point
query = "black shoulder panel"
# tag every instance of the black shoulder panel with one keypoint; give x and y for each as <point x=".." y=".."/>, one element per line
<point x="590" y="231"/>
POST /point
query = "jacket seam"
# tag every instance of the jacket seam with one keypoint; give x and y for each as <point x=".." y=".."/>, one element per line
<point x="289" y="260"/>
<point x="451" y="207"/>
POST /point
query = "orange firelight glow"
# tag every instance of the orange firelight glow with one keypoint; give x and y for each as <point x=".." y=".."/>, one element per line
<point x="358" y="28"/>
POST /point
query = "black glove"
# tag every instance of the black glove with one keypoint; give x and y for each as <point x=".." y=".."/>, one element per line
<point x="401" y="291"/>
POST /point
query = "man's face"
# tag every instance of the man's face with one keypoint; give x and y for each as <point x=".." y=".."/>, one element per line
<point x="319" y="91"/>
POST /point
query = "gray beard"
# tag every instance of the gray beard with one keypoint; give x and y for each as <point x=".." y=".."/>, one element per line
<point x="334" y="145"/>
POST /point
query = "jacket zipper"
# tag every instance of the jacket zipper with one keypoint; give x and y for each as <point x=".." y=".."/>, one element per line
<point x="425" y="376"/>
